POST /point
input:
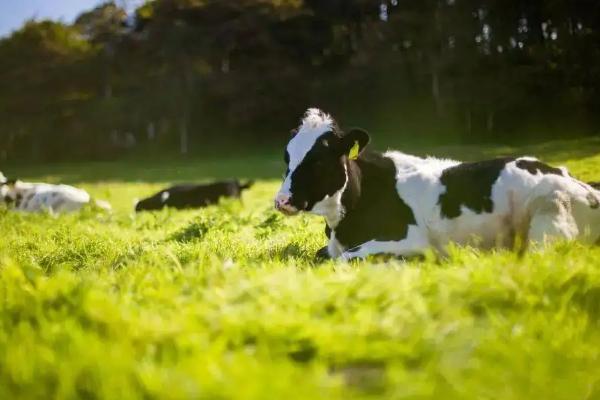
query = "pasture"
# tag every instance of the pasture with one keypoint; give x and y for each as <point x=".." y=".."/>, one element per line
<point x="228" y="303"/>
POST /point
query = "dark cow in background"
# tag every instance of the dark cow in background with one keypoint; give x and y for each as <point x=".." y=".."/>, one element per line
<point x="193" y="195"/>
<point x="398" y="204"/>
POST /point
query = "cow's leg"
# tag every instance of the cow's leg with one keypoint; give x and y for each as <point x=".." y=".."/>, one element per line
<point x="552" y="219"/>
<point x="416" y="243"/>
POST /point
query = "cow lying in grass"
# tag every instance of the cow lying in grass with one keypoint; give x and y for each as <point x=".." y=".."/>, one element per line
<point x="398" y="204"/>
<point x="34" y="197"/>
<point x="193" y="195"/>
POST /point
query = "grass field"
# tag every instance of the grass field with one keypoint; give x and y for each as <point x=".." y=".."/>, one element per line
<point x="227" y="303"/>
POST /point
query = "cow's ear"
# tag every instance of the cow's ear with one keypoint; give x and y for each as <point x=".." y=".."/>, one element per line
<point x="354" y="142"/>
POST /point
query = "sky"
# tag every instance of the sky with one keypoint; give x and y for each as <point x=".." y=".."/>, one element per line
<point x="13" y="13"/>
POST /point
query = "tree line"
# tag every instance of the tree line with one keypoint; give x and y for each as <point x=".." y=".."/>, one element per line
<point x="183" y="75"/>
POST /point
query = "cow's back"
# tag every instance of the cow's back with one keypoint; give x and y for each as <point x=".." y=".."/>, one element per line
<point x="56" y="198"/>
<point x="483" y="203"/>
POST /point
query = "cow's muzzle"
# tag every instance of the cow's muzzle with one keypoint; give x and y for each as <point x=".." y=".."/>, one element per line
<point x="283" y="203"/>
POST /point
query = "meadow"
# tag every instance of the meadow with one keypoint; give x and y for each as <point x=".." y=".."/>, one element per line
<point x="227" y="302"/>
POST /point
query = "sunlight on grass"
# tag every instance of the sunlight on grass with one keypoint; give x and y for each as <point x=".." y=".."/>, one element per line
<point x="227" y="302"/>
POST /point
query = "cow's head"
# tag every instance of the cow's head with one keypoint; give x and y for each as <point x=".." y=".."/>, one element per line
<point x="316" y="158"/>
<point x="3" y="188"/>
<point x="8" y="192"/>
<point x="156" y="202"/>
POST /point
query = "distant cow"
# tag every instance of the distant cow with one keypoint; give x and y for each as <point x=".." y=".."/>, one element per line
<point x="402" y="205"/>
<point x="193" y="195"/>
<point x="33" y="197"/>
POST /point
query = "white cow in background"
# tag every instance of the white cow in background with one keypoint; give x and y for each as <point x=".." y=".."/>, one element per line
<point x="35" y="197"/>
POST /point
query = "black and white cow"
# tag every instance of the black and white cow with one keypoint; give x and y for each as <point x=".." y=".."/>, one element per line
<point x="398" y="204"/>
<point x="34" y="197"/>
<point x="193" y="195"/>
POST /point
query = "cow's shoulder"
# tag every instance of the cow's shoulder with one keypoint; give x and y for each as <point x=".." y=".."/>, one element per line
<point x="380" y="213"/>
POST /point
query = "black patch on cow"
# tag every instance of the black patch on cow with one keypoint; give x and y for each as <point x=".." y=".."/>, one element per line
<point x="323" y="254"/>
<point x="534" y="167"/>
<point x="320" y="173"/>
<point x="593" y="201"/>
<point x="286" y="159"/>
<point x="354" y="250"/>
<point x="192" y="195"/>
<point x="25" y="202"/>
<point x="470" y="185"/>
<point x="374" y="210"/>
<point x="18" y="199"/>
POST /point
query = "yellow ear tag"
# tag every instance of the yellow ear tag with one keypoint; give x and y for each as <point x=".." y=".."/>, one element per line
<point x="354" y="151"/>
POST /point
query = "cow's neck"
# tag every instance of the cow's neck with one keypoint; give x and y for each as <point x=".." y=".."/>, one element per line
<point x="348" y="199"/>
<point x="353" y="188"/>
<point x="331" y="206"/>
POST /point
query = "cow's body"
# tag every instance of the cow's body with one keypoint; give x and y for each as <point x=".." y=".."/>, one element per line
<point x="398" y="204"/>
<point x="35" y="197"/>
<point x="486" y="204"/>
<point x="192" y="195"/>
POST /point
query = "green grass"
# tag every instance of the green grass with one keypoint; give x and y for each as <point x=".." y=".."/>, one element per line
<point x="227" y="303"/>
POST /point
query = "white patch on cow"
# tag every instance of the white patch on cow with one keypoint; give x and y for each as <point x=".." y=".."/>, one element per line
<point x="331" y="206"/>
<point x="552" y="219"/>
<point x="334" y="247"/>
<point x="4" y="190"/>
<point x="416" y="243"/>
<point x="47" y="197"/>
<point x="165" y="196"/>
<point x="314" y="124"/>
<point x="406" y="163"/>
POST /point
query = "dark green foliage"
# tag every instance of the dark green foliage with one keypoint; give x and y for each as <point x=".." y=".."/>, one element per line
<point x="185" y="75"/>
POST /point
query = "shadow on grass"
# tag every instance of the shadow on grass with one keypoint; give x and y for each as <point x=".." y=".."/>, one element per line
<point x="194" y="231"/>
<point x="365" y="376"/>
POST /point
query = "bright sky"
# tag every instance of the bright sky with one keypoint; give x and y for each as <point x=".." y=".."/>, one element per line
<point x="14" y="12"/>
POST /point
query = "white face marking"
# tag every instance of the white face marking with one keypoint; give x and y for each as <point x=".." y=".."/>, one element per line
<point x="314" y="125"/>
<point x="165" y="196"/>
